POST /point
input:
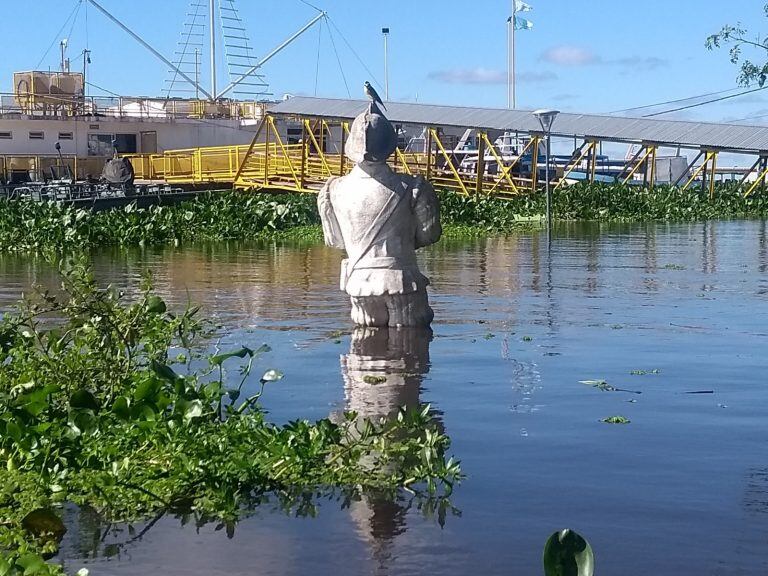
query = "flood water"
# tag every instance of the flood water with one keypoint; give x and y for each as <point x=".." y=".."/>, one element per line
<point x="682" y="489"/>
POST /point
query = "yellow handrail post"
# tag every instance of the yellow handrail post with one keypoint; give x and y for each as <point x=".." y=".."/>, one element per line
<point x="449" y="162"/>
<point x="279" y="141"/>
<point x="304" y="152"/>
<point x="428" y="144"/>
<point x="480" y="168"/>
<point x="320" y="153"/>
<point x="760" y="178"/>
<point x="250" y="149"/>
<point x="399" y="154"/>
<point x="698" y="170"/>
<point x="652" y="181"/>
<point x="535" y="163"/>
<point x="266" y="156"/>
<point x="505" y="170"/>
<point x="639" y="163"/>
<point x="571" y="167"/>
<point x="712" y="178"/>
<point x="343" y="159"/>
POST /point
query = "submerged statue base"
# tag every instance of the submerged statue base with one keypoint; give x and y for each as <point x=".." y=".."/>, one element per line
<point x="380" y="218"/>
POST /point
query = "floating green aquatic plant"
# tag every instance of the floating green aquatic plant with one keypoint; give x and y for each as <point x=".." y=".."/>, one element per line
<point x="97" y="410"/>
<point x="616" y="420"/>
<point x="567" y="553"/>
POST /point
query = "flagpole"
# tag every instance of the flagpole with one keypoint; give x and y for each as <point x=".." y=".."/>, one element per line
<point x="509" y="62"/>
<point x="512" y="55"/>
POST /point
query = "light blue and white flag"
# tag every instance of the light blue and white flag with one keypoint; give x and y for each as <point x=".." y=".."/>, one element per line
<point x="523" y="24"/>
<point x="521" y="6"/>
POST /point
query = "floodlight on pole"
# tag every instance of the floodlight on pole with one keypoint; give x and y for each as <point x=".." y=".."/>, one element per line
<point x="546" y="118"/>
<point x="385" y="33"/>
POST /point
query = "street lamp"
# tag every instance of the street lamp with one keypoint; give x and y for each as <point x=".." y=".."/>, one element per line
<point x="385" y="34"/>
<point x="546" y="119"/>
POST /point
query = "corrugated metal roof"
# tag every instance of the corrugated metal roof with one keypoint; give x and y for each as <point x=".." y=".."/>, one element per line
<point x="730" y="137"/>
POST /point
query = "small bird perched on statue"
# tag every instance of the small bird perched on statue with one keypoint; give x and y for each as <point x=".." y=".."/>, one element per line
<point x="370" y="91"/>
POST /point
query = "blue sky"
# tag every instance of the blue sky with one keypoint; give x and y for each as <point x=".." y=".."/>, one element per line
<point x="587" y="56"/>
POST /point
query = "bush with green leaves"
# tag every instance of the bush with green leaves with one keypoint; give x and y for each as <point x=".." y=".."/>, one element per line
<point x="112" y="405"/>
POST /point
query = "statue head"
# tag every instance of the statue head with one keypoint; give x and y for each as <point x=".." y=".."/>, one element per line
<point x="371" y="137"/>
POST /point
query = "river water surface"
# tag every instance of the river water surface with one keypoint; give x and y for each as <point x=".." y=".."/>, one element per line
<point x="682" y="489"/>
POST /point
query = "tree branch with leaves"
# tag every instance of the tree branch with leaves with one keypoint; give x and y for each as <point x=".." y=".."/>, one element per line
<point x="751" y="72"/>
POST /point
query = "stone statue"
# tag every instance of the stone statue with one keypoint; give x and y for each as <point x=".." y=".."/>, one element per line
<point x="380" y="218"/>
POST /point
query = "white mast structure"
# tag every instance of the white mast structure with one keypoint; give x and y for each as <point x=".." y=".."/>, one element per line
<point x="212" y="31"/>
<point x="214" y="94"/>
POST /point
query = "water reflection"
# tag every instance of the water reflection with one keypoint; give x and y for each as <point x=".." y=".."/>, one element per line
<point x="383" y="372"/>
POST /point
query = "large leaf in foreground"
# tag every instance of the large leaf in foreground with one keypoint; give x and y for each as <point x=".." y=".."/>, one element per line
<point x="566" y="553"/>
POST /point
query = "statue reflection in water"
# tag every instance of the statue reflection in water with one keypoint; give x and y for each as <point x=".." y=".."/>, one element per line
<point x="382" y="373"/>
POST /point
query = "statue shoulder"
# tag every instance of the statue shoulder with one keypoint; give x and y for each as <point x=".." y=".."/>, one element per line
<point x="330" y="184"/>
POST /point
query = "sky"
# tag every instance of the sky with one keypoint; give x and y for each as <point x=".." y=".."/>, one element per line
<point x="594" y="56"/>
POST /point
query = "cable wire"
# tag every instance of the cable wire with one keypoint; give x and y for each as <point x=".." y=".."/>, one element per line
<point x="317" y="64"/>
<point x="75" y="9"/>
<point x="706" y="102"/>
<point x="341" y="68"/>
<point x="311" y="5"/>
<point x="676" y="101"/>
<point x="370" y="74"/>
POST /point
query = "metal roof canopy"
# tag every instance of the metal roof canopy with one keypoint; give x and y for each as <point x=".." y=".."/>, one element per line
<point x="709" y="135"/>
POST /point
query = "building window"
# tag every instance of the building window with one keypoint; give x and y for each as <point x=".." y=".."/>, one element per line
<point x="294" y="135"/>
<point x="66" y="136"/>
<point x="37" y="135"/>
<point x="108" y="144"/>
<point x="126" y="143"/>
<point x="6" y="135"/>
<point x="100" y="145"/>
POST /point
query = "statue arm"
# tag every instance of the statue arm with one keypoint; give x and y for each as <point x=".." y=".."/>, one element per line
<point x="331" y="229"/>
<point x="427" y="212"/>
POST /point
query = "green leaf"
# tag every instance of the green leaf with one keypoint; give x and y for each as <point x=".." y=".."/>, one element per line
<point x="122" y="408"/>
<point x="164" y="372"/>
<point x="32" y="564"/>
<point x="146" y="390"/>
<point x="219" y="359"/>
<point x="156" y="305"/>
<point x="566" y="553"/>
<point x="14" y="430"/>
<point x="84" y="400"/>
<point x="44" y="522"/>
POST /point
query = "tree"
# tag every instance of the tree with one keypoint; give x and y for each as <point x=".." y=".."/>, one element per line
<point x="750" y="73"/>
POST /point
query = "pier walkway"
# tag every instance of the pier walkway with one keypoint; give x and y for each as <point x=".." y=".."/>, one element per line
<point x="302" y="158"/>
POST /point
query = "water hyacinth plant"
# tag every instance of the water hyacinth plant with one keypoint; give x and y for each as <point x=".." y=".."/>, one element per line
<point x="227" y="215"/>
<point x="99" y="409"/>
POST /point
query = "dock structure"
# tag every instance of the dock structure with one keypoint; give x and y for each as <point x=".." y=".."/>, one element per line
<point x="464" y="149"/>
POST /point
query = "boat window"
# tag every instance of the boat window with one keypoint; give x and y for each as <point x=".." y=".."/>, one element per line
<point x="6" y="135"/>
<point x="66" y="136"/>
<point x="100" y="145"/>
<point x="36" y="135"/>
<point x="126" y="143"/>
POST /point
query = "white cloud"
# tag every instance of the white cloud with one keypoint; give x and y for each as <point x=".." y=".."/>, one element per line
<point x="482" y="75"/>
<point x="569" y="56"/>
<point x="478" y="75"/>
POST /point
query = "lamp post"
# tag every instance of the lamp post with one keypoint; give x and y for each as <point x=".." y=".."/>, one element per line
<point x="546" y="118"/>
<point x="385" y="33"/>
